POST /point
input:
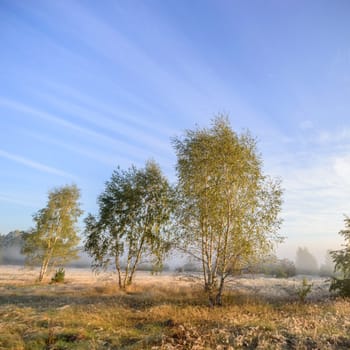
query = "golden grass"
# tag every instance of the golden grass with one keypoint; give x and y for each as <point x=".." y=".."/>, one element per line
<point x="89" y="312"/>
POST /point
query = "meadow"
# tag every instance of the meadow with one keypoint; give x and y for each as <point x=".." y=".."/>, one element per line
<point x="167" y="311"/>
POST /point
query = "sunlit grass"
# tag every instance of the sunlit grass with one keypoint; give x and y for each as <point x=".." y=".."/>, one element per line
<point x="168" y="315"/>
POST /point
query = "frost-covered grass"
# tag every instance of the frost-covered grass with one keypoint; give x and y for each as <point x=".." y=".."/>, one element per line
<point x="166" y="312"/>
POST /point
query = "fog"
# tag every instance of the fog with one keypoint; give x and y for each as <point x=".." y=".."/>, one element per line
<point x="318" y="247"/>
<point x="307" y="260"/>
<point x="11" y="256"/>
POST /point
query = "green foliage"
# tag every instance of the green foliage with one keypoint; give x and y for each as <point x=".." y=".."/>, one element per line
<point x="304" y="290"/>
<point x="59" y="276"/>
<point x="54" y="239"/>
<point x="189" y="266"/>
<point x="280" y="268"/>
<point x="133" y="221"/>
<point x="341" y="259"/>
<point x="340" y="286"/>
<point x="228" y="209"/>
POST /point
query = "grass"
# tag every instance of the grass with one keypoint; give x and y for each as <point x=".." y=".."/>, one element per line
<point x="162" y="314"/>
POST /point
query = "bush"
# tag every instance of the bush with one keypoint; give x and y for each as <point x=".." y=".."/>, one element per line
<point x="342" y="286"/>
<point x="280" y="268"/>
<point x="304" y="290"/>
<point x="188" y="267"/>
<point x="59" y="275"/>
<point x="341" y="259"/>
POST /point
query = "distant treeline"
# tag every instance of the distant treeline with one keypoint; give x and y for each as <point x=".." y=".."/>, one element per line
<point x="11" y="245"/>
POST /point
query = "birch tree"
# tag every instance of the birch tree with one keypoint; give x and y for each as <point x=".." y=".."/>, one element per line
<point x="228" y="211"/>
<point x="134" y="211"/>
<point x="54" y="240"/>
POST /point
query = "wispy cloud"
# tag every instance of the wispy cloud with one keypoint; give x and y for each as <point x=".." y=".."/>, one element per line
<point x="316" y="195"/>
<point x="15" y="200"/>
<point x="141" y="120"/>
<point x="111" y="122"/>
<point x="315" y="176"/>
<point x="193" y="90"/>
<point x="34" y="165"/>
<point x="117" y="144"/>
<point x="306" y="124"/>
<point x="335" y="136"/>
<point x="100" y="157"/>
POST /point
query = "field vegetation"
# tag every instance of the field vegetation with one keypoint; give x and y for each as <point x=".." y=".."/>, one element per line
<point x="223" y="213"/>
<point x="169" y="311"/>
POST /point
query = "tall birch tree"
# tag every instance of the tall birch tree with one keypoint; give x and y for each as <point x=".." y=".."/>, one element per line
<point x="228" y="209"/>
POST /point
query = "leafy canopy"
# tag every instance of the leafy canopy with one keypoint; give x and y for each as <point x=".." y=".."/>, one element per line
<point x="228" y="210"/>
<point x="54" y="239"/>
<point x="134" y="211"/>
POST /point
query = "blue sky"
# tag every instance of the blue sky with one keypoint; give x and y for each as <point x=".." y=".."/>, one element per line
<point x="88" y="85"/>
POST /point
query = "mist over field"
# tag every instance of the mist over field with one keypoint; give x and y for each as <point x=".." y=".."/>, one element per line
<point x="165" y="311"/>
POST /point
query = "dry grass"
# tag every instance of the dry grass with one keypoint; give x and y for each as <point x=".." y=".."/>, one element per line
<point x="163" y="312"/>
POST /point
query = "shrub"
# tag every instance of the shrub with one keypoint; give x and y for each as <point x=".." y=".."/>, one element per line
<point x="341" y="259"/>
<point x="342" y="286"/>
<point x="280" y="268"/>
<point x="188" y="267"/>
<point x="304" y="290"/>
<point x="59" y="275"/>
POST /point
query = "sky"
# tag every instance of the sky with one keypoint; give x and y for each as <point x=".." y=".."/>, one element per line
<point x="87" y="86"/>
